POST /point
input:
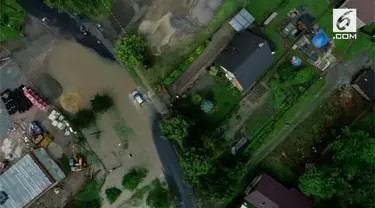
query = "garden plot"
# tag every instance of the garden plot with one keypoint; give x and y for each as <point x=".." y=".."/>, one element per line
<point x="310" y="138"/>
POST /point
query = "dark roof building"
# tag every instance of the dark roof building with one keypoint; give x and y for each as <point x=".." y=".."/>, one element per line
<point x="365" y="10"/>
<point x="245" y="58"/>
<point x="266" y="192"/>
<point x="365" y="84"/>
<point x="28" y="179"/>
<point x="306" y="21"/>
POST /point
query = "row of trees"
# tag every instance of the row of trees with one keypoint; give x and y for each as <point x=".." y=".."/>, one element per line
<point x="212" y="180"/>
<point x="349" y="177"/>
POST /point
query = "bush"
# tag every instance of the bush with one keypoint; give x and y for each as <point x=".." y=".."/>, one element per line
<point x="112" y="194"/>
<point x="84" y="118"/>
<point x="92" y="8"/>
<point x="89" y="195"/>
<point x="159" y="197"/>
<point x="132" y="50"/>
<point x="101" y="103"/>
<point x="184" y="65"/>
<point x="135" y="177"/>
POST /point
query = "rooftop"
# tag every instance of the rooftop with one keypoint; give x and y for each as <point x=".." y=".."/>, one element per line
<point x="247" y="56"/>
<point x="365" y="9"/>
<point x="366" y="82"/>
<point x="28" y="178"/>
<point x="268" y="193"/>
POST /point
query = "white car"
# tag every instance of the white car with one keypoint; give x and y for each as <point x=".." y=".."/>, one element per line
<point x="138" y="97"/>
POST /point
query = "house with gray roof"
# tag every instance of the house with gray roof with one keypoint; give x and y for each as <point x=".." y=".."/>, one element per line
<point x="28" y="179"/>
<point x="245" y="59"/>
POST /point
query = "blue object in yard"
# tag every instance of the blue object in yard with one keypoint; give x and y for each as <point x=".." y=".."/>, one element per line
<point x="35" y="128"/>
<point x="296" y="61"/>
<point x="320" y="39"/>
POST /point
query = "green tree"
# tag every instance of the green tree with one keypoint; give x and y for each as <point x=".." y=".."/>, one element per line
<point x="112" y="194"/>
<point x="304" y="76"/>
<point x="101" y="103"/>
<point x="174" y="127"/>
<point x="83" y="118"/>
<point x="318" y="182"/>
<point x="133" y="178"/>
<point x="158" y="197"/>
<point x="89" y="195"/>
<point x="90" y="8"/>
<point x="132" y="50"/>
<point x="354" y="146"/>
<point x="195" y="162"/>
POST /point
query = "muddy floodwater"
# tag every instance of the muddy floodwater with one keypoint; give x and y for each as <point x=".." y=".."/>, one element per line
<point x="81" y="70"/>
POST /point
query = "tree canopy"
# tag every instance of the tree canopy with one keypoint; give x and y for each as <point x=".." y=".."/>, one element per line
<point x="112" y="194"/>
<point x="101" y="103"/>
<point x="90" y="8"/>
<point x="195" y="162"/>
<point x="133" y="178"/>
<point x="174" y="127"/>
<point x="132" y="50"/>
<point x="159" y="196"/>
<point x="349" y="176"/>
<point x="83" y="118"/>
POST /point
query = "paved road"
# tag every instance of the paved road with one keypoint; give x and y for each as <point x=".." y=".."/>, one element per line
<point x="172" y="168"/>
<point x="70" y="28"/>
<point x="67" y="25"/>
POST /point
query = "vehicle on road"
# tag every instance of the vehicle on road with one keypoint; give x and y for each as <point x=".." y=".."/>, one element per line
<point x="138" y="97"/>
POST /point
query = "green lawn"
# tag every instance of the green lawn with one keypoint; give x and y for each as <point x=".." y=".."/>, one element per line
<point x="226" y="98"/>
<point x="12" y="16"/>
<point x="347" y="49"/>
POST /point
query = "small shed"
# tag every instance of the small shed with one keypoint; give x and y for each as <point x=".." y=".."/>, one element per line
<point x="242" y="20"/>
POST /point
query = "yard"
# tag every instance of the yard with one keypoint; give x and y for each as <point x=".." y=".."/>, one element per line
<point x="309" y="139"/>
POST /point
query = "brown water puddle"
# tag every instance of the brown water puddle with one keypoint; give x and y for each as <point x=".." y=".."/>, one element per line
<point x="80" y="69"/>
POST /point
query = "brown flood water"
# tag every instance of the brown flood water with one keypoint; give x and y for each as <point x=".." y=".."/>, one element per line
<point x="80" y="69"/>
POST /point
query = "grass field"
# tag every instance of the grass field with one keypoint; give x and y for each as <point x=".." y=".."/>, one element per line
<point x="12" y="16"/>
<point x="226" y="98"/>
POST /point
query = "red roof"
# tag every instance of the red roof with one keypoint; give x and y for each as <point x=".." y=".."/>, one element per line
<point x="365" y="9"/>
<point x="268" y="193"/>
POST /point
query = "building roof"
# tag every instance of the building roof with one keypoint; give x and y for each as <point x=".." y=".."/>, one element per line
<point x="242" y="20"/>
<point x="268" y="193"/>
<point x="307" y="19"/>
<point x="247" y="56"/>
<point x="27" y="179"/>
<point x="366" y="82"/>
<point x="365" y="9"/>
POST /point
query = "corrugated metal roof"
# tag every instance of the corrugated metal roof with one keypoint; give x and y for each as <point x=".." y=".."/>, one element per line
<point x="23" y="182"/>
<point x="242" y="20"/>
<point x="53" y="169"/>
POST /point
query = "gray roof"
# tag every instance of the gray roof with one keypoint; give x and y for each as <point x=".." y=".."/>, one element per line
<point x="366" y="82"/>
<point x="26" y="180"/>
<point x="242" y="20"/>
<point x="247" y="57"/>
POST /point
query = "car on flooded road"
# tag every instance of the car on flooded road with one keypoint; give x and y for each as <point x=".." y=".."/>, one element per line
<point x="138" y="97"/>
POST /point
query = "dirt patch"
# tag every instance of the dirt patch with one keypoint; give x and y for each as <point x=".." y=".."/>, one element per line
<point x="72" y="101"/>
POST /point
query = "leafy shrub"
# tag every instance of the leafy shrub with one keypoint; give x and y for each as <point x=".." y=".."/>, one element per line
<point x="196" y="98"/>
<point x="101" y="103"/>
<point x="84" y="118"/>
<point x="89" y="195"/>
<point x="184" y="65"/>
<point x="133" y="178"/>
<point x="132" y="50"/>
<point x="207" y="106"/>
<point x="112" y="194"/>
<point x="159" y="197"/>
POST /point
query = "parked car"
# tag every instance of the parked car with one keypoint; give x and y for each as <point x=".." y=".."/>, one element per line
<point x="138" y="97"/>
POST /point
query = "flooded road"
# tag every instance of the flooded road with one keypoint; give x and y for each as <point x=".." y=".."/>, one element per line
<point x="82" y="70"/>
